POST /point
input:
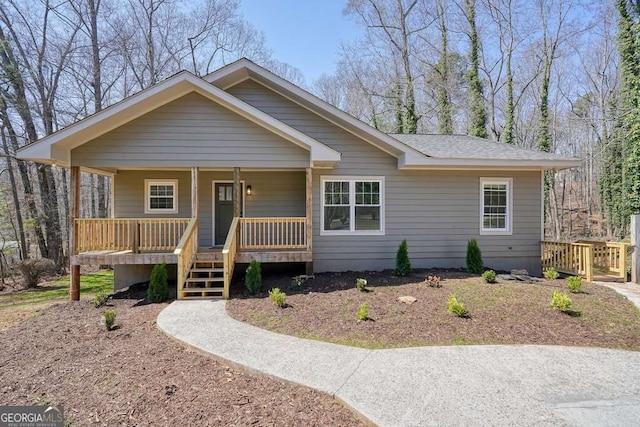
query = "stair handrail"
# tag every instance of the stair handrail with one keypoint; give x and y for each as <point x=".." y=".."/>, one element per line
<point x="229" y="253"/>
<point x="186" y="252"/>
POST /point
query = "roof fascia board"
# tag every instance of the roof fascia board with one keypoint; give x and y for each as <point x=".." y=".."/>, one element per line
<point x="435" y="163"/>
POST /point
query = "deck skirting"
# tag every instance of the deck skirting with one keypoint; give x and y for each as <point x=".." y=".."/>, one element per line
<point x="123" y="257"/>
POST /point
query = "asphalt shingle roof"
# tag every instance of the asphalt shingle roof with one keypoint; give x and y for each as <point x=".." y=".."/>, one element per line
<point x="470" y="147"/>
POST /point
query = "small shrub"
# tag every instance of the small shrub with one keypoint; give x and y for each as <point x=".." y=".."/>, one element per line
<point x="560" y="301"/>
<point x="363" y="312"/>
<point x="158" y="285"/>
<point x="277" y="297"/>
<point x="456" y="307"/>
<point x="574" y="284"/>
<point x="434" y="281"/>
<point x="474" y="257"/>
<point x="253" y="278"/>
<point x="489" y="276"/>
<point x="403" y="264"/>
<point x="109" y="319"/>
<point x="100" y="299"/>
<point x="361" y="284"/>
<point x="298" y="281"/>
<point x="33" y="270"/>
<point x="550" y="273"/>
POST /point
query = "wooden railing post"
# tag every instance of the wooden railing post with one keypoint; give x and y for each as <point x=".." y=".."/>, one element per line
<point x="588" y="260"/>
<point x="622" y="251"/>
<point x="135" y="248"/>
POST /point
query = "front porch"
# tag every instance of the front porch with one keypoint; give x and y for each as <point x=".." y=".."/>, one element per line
<point x="204" y="263"/>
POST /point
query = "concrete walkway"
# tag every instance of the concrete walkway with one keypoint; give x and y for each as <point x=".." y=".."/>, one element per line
<point x="457" y="385"/>
<point x="629" y="290"/>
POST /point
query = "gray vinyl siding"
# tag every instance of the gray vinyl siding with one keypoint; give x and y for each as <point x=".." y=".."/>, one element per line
<point x="274" y="193"/>
<point x="436" y="211"/>
<point x="190" y="131"/>
<point x="277" y="193"/>
<point x="129" y="193"/>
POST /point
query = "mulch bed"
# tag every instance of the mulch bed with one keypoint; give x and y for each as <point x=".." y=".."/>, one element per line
<point x="509" y="312"/>
<point x="136" y="375"/>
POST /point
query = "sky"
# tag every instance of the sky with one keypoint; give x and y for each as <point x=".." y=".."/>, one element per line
<point x="306" y="34"/>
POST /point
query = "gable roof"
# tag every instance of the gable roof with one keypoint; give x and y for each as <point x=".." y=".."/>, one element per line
<point x="412" y="151"/>
<point x="473" y="150"/>
<point x="56" y="148"/>
<point x="244" y="69"/>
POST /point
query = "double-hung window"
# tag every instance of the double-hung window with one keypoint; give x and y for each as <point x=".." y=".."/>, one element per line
<point x="495" y="205"/>
<point x="352" y="205"/>
<point x="161" y="196"/>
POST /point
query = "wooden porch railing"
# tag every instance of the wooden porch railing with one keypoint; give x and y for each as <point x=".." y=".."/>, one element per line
<point x="273" y="233"/>
<point x="229" y="252"/>
<point x="134" y="234"/>
<point x="186" y="252"/>
<point x="586" y="258"/>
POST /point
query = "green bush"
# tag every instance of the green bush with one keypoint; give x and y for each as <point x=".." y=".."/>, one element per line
<point x="474" y="257"/>
<point x="551" y="273"/>
<point x="489" y="276"/>
<point x="403" y="264"/>
<point x="277" y="297"/>
<point x="574" y="284"/>
<point x="109" y="318"/>
<point x="298" y="281"/>
<point x="253" y="278"/>
<point x="560" y="301"/>
<point x="363" y="312"/>
<point x="158" y="286"/>
<point x="456" y="307"/>
<point x="100" y="299"/>
<point x="361" y="284"/>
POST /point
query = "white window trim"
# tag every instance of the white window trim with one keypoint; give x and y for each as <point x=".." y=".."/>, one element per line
<point x="352" y="180"/>
<point x="147" y="193"/>
<point x="508" y="230"/>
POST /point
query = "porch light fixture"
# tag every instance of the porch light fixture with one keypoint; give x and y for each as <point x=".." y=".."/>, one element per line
<point x="248" y="190"/>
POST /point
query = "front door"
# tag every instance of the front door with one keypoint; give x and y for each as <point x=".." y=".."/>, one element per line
<point x="223" y="210"/>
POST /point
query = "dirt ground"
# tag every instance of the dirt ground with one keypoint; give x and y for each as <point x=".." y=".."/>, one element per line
<point x="135" y="375"/>
<point x="508" y="312"/>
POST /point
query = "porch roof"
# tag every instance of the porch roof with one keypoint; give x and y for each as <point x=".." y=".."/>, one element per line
<point x="56" y="148"/>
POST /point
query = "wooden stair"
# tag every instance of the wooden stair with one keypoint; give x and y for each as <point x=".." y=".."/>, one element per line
<point x="205" y="278"/>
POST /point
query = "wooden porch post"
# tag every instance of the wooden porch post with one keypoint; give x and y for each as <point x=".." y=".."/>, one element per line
<point x="309" y="221"/>
<point x="194" y="197"/>
<point x="194" y="192"/>
<point x="74" y="212"/>
<point x="237" y="193"/>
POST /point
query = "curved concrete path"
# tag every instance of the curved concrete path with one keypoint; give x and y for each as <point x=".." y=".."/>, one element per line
<point x="457" y="385"/>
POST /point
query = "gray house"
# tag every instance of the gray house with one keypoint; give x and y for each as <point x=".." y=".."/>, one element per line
<point x="242" y="164"/>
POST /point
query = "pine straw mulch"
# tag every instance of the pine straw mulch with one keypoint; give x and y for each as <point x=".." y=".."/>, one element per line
<point x="135" y="375"/>
<point x="508" y="312"/>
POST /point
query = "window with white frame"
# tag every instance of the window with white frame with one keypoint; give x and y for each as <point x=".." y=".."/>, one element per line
<point x="352" y="205"/>
<point x="495" y="205"/>
<point x="161" y="196"/>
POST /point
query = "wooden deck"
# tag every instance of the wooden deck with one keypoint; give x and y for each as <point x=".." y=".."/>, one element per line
<point x="595" y="261"/>
<point x="175" y="241"/>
